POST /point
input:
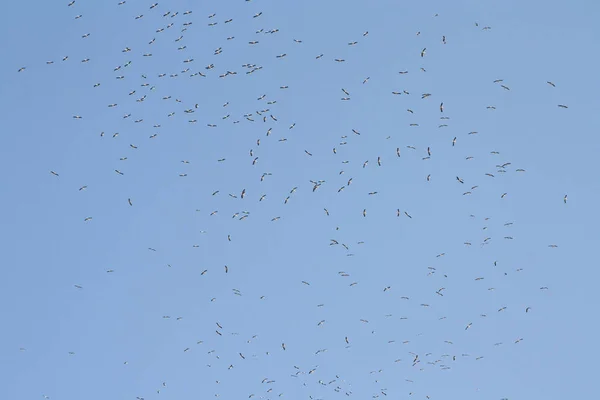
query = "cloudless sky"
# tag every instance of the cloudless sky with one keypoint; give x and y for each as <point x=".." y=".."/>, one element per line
<point x="404" y="284"/>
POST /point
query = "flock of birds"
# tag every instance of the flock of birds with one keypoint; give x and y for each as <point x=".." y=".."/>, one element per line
<point x="243" y="202"/>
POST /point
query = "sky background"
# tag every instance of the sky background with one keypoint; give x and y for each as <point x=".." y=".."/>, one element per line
<point x="107" y="337"/>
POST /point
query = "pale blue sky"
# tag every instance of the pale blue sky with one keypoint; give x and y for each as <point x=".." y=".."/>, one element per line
<point x="58" y="298"/>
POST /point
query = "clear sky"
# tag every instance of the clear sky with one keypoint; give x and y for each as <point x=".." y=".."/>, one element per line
<point x="141" y="198"/>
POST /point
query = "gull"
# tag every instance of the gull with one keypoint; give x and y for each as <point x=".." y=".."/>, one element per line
<point x="454" y="141"/>
<point x="423" y="52"/>
<point x="562" y="106"/>
<point x="565" y="199"/>
<point x="442" y="107"/>
<point x="118" y="172"/>
<point x="550" y="83"/>
<point x="129" y="201"/>
<point x="55" y="174"/>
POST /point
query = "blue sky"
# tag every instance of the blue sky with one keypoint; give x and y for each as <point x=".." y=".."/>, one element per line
<point x="71" y="329"/>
